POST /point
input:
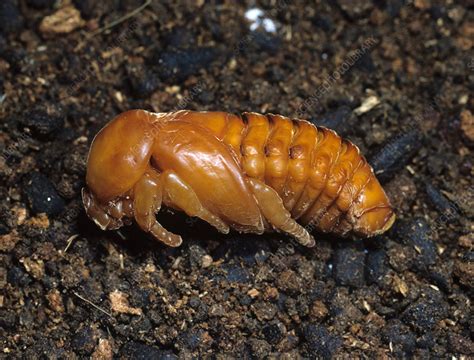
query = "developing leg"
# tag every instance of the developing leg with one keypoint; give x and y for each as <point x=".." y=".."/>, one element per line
<point x="146" y="203"/>
<point x="274" y="211"/>
<point x="179" y="195"/>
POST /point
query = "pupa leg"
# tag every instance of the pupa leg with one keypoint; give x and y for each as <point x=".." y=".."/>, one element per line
<point x="179" y="195"/>
<point x="99" y="213"/>
<point x="274" y="211"/>
<point x="146" y="203"/>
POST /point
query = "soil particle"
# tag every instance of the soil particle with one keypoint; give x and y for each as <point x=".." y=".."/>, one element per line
<point x="119" y="303"/>
<point x="460" y="344"/>
<point x="136" y="350"/>
<point x="395" y="154"/>
<point x="175" y="65"/>
<point x="143" y="81"/>
<point x="55" y="301"/>
<point x="320" y="343"/>
<point x="318" y="310"/>
<point x="262" y="41"/>
<point x="467" y="124"/>
<point x="17" y="277"/>
<point x="42" y="195"/>
<point x="376" y="266"/>
<point x="11" y="19"/>
<point x="235" y="273"/>
<point x="335" y="119"/>
<point x="464" y="270"/>
<point x="467" y="241"/>
<point x="400" y="338"/>
<point x="424" y="313"/>
<point x="259" y="349"/>
<point x="103" y="350"/>
<point x="8" y="241"/>
<point x="289" y="282"/>
<point x="196" y="256"/>
<point x="417" y="235"/>
<point x="349" y="266"/>
<point x="84" y="340"/>
<point x="342" y="310"/>
<point x="40" y="4"/>
<point x="63" y="21"/>
<point x="42" y="124"/>
<point x="355" y="9"/>
<point x="273" y="333"/>
<point x="440" y="202"/>
<point x="264" y="311"/>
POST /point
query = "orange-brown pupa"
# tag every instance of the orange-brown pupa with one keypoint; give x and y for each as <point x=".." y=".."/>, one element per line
<point x="251" y="173"/>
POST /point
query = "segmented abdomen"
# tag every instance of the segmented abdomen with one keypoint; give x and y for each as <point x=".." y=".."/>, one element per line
<point x="323" y="180"/>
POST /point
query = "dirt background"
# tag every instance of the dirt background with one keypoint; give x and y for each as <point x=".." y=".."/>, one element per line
<point x="71" y="291"/>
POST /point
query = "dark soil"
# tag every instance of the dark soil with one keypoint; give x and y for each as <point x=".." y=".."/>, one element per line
<point x="70" y="290"/>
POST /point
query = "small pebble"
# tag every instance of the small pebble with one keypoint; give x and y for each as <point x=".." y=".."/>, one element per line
<point x="271" y="293"/>
<point x="197" y="256"/>
<point x="253" y="293"/>
<point x="289" y="281"/>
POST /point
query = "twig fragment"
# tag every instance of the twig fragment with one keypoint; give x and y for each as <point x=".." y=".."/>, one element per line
<point x="120" y="20"/>
<point x="69" y="241"/>
<point x="92" y="304"/>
